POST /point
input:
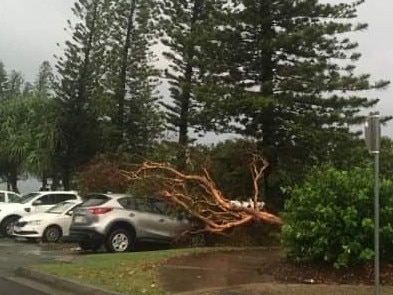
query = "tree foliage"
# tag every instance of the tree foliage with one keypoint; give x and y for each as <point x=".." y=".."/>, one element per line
<point x="281" y="74"/>
<point x="228" y="169"/>
<point x="106" y="83"/>
<point x="330" y="217"/>
<point x="80" y="70"/>
<point x="131" y="78"/>
<point x="187" y="28"/>
<point x="3" y="81"/>
<point x="27" y="129"/>
<point x="103" y="174"/>
<point x="284" y="73"/>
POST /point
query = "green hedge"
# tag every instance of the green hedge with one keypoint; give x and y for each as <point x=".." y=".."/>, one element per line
<point x="330" y="218"/>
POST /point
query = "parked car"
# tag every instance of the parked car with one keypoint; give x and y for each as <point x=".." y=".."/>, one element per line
<point x="48" y="226"/>
<point x="9" y="197"/>
<point x="28" y="204"/>
<point x="119" y="220"/>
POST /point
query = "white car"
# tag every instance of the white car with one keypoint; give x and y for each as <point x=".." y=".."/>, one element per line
<point x="30" y="203"/>
<point x="49" y="226"/>
<point x="9" y="197"/>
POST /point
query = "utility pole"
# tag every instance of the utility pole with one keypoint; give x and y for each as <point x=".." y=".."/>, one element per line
<point x="373" y="138"/>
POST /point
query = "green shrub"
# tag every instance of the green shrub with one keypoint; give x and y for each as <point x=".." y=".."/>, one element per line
<point x="330" y="218"/>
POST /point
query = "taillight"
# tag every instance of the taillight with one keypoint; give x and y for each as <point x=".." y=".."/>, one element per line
<point x="99" y="210"/>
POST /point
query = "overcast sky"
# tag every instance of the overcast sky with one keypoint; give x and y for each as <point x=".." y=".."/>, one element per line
<point x="30" y="29"/>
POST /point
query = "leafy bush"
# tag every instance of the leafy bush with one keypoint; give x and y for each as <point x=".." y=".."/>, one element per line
<point x="103" y="174"/>
<point x="330" y="218"/>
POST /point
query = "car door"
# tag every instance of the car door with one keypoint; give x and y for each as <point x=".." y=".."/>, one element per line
<point x="43" y="203"/>
<point x="66" y="220"/>
<point x="153" y="220"/>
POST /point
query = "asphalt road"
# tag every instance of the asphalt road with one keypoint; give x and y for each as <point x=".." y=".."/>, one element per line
<point x="14" y="254"/>
<point x="8" y="287"/>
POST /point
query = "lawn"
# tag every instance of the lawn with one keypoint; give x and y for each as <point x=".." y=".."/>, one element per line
<point x="125" y="273"/>
<point x="138" y="273"/>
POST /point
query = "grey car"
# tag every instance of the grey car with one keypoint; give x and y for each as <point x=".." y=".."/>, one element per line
<point x="118" y="221"/>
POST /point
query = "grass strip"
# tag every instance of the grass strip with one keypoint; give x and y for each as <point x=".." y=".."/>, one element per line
<point x="128" y="273"/>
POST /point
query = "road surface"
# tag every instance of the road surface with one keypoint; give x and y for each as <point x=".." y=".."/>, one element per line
<point x="14" y="254"/>
<point x="8" y="287"/>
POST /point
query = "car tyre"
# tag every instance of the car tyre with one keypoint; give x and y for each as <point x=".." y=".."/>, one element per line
<point x="52" y="234"/>
<point x="119" y="240"/>
<point x="7" y="226"/>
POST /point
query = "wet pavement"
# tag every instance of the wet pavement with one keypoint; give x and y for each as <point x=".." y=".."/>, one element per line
<point x="8" y="287"/>
<point x="216" y="269"/>
<point x="241" y="273"/>
<point x="14" y="254"/>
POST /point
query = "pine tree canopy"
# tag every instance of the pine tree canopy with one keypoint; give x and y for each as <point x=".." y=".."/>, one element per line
<point x="284" y="72"/>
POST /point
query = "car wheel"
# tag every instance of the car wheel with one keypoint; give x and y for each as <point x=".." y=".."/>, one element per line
<point x="52" y="234"/>
<point x="7" y="226"/>
<point x="85" y="246"/>
<point x="119" y="240"/>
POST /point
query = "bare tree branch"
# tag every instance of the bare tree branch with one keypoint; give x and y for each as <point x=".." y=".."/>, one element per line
<point x="199" y="196"/>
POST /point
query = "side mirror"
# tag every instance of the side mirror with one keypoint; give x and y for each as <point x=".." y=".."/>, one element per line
<point x="69" y="213"/>
<point x="28" y="209"/>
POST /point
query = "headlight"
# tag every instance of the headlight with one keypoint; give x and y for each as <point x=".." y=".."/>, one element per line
<point x="34" y="222"/>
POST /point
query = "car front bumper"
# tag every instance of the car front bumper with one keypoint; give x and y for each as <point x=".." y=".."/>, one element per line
<point x="27" y="232"/>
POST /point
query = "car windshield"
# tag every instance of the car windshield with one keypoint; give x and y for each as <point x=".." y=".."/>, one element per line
<point x="60" y="208"/>
<point x="27" y="198"/>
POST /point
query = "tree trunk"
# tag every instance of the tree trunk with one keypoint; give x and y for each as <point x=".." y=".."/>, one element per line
<point x="267" y="116"/>
<point x="186" y="93"/>
<point x="121" y="89"/>
<point x="66" y="176"/>
<point x="12" y="181"/>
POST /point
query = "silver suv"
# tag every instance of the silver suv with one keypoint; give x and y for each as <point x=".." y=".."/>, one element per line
<point x="120" y="220"/>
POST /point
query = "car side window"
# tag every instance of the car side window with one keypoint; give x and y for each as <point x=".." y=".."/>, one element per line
<point x="142" y="204"/>
<point x="63" y="197"/>
<point x="128" y="203"/>
<point x="45" y="200"/>
<point x="160" y="207"/>
<point x="2" y="197"/>
<point x="149" y="205"/>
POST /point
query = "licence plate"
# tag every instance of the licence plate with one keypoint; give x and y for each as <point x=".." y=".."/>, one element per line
<point x="79" y="219"/>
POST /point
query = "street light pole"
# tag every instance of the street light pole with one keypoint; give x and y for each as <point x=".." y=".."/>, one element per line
<point x="376" y="230"/>
<point x="372" y="136"/>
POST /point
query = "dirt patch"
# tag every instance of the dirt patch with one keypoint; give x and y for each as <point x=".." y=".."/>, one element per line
<point x="263" y="266"/>
<point x="283" y="271"/>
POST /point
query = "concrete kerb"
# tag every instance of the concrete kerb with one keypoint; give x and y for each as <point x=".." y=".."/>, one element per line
<point x="61" y="283"/>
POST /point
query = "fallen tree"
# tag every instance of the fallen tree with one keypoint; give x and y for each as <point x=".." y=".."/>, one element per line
<point x="198" y="195"/>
